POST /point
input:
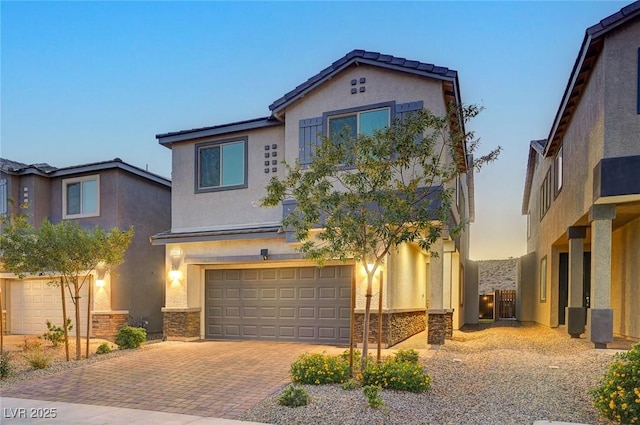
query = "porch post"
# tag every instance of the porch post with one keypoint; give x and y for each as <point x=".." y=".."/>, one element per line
<point x="575" y="312"/>
<point x="600" y="315"/>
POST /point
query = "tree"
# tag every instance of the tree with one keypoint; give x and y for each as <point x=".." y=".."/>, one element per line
<point x="361" y="197"/>
<point x="63" y="251"/>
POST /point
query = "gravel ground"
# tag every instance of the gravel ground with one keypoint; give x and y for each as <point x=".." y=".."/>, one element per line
<point x="499" y="375"/>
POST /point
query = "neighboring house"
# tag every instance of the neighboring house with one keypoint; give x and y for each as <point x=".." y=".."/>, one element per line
<point x="108" y="194"/>
<point x="582" y="194"/>
<point x="234" y="272"/>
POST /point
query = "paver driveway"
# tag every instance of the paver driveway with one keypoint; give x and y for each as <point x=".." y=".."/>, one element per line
<point x="209" y="378"/>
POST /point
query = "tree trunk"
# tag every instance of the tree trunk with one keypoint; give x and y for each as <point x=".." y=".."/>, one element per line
<point x="1" y="324"/>
<point x="89" y="315"/>
<point x="379" y="354"/>
<point x="76" y="301"/>
<point x="367" y="314"/>
<point x="64" y="320"/>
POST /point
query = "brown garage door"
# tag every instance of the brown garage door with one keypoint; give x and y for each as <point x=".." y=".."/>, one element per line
<point x="303" y="304"/>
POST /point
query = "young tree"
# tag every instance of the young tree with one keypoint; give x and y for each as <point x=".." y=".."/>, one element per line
<point x="361" y="197"/>
<point x="63" y="251"/>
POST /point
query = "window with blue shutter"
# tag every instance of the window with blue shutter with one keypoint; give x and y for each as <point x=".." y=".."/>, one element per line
<point x="404" y="109"/>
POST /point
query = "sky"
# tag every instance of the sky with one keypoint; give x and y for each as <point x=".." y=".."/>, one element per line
<point x="83" y="82"/>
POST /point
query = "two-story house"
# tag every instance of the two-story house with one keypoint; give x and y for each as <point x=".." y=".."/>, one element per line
<point x="233" y="272"/>
<point x="108" y="194"/>
<point x="582" y="193"/>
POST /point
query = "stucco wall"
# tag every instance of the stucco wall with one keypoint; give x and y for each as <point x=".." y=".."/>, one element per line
<point x="407" y="278"/>
<point x="625" y="279"/>
<point x="228" y="208"/>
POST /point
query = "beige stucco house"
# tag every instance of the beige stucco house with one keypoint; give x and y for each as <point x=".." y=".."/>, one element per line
<point x="582" y="194"/>
<point x="234" y="273"/>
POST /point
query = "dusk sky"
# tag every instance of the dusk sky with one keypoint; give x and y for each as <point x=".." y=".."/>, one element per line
<point x="84" y="82"/>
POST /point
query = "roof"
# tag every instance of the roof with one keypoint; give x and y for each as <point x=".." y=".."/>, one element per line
<point x="47" y="170"/>
<point x="587" y="56"/>
<point x="167" y="139"/>
<point x="536" y="147"/>
<point x="164" y="238"/>
<point x="356" y="57"/>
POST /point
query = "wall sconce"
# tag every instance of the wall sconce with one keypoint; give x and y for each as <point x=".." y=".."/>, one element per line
<point x="176" y="258"/>
<point x="264" y="253"/>
<point x="101" y="270"/>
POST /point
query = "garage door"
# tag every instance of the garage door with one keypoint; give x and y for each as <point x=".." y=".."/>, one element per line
<point x="304" y="304"/>
<point x="33" y="302"/>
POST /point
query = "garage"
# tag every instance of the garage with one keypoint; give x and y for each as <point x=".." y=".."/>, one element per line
<point x="34" y="301"/>
<point x="302" y="304"/>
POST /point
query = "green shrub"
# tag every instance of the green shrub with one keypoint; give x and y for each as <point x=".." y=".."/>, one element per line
<point x="37" y="358"/>
<point x="6" y="365"/>
<point x="409" y="356"/>
<point x="618" y="394"/>
<point x="130" y="337"/>
<point x="396" y="375"/>
<point x="55" y="334"/>
<point x="373" y="398"/>
<point x="351" y="384"/>
<point x="294" y="396"/>
<point x="320" y="369"/>
<point x="103" y="348"/>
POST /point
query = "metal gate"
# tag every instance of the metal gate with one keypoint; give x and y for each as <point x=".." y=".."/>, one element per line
<point x="506" y="304"/>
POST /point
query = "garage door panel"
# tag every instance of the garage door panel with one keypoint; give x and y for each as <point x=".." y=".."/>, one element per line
<point x="293" y="304"/>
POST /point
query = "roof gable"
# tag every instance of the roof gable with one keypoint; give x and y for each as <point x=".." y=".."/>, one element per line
<point x="356" y="57"/>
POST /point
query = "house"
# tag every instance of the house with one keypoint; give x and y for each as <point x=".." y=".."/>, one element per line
<point x="108" y="194"/>
<point x="233" y="272"/>
<point x="582" y="194"/>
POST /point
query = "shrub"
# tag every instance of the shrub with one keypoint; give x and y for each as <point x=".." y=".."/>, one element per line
<point x="6" y="365"/>
<point x="103" y="348"/>
<point x="37" y="358"/>
<point x="55" y="334"/>
<point x="371" y="392"/>
<point x="130" y="337"/>
<point x="351" y="384"/>
<point x="30" y="344"/>
<point x="320" y="369"/>
<point x="396" y="375"/>
<point x="409" y="356"/>
<point x="618" y="394"/>
<point x="294" y="396"/>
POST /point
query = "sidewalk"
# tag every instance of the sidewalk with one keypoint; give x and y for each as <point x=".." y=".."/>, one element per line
<point x="21" y="411"/>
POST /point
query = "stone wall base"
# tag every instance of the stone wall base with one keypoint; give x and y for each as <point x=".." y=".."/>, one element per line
<point x="436" y="327"/>
<point x="106" y="325"/>
<point x="396" y="326"/>
<point x="181" y="324"/>
<point x="4" y="322"/>
<point x="448" y="324"/>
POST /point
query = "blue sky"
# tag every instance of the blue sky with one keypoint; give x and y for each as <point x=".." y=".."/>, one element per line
<point x="90" y="81"/>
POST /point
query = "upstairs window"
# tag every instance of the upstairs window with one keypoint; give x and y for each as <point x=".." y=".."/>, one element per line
<point x="221" y="165"/>
<point x="81" y="197"/>
<point x="558" y="165"/>
<point x="545" y="194"/>
<point x="3" y="197"/>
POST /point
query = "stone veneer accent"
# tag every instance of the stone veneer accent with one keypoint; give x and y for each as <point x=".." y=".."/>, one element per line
<point x="396" y="326"/>
<point x="436" y="327"/>
<point x="448" y="324"/>
<point x="181" y="324"/>
<point x="107" y="324"/>
<point x="4" y="322"/>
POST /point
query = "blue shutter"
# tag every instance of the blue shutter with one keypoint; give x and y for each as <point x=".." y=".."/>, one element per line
<point x="638" y="88"/>
<point x="310" y="129"/>
<point x="403" y="109"/>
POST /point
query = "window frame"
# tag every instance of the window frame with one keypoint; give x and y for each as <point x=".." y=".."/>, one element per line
<point x="558" y="167"/>
<point x="4" y="197"/>
<point x="327" y="116"/>
<point x="74" y="180"/>
<point x="545" y="194"/>
<point x="543" y="279"/>
<point x="213" y="143"/>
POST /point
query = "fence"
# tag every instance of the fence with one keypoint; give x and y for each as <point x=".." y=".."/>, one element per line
<point x="499" y="305"/>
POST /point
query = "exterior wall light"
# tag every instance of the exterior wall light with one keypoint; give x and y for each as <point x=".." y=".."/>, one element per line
<point x="175" y="275"/>
<point x="101" y="270"/>
<point x="176" y="258"/>
<point x="264" y="253"/>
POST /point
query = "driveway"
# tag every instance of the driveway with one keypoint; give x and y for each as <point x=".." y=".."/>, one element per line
<point x="207" y="378"/>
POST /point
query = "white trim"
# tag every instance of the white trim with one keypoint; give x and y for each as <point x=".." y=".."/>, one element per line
<point x="66" y="182"/>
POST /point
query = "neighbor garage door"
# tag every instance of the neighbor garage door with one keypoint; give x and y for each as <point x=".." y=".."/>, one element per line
<point x="33" y="302"/>
<point x="304" y="304"/>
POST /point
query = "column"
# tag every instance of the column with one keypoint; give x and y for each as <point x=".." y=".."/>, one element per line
<point x="436" y="314"/>
<point x="600" y="315"/>
<point x="575" y="312"/>
<point x="449" y="248"/>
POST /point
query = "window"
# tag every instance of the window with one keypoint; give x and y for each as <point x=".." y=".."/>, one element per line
<point x="543" y="279"/>
<point x="528" y="224"/>
<point x="365" y="122"/>
<point x="545" y="194"/>
<point x="3" y="197"/>
<point x="558" y="171"/>
<point x="80" y="197"/>
<point x="221" y="165"/>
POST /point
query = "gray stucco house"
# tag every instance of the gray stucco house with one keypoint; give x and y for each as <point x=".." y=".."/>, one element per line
<point x="234" y="273"/>
<point x="108" y="194"/>
<point x="582" y="194"/>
